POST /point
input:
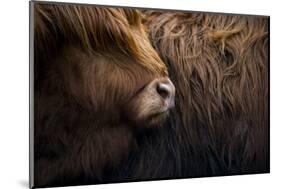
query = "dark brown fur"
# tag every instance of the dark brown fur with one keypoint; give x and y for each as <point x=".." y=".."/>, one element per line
<point x="219" y="65"/>
<point x="91" y="65"/>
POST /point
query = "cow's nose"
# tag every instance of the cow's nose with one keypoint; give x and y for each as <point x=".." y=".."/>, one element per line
<point x="166" y="89"/>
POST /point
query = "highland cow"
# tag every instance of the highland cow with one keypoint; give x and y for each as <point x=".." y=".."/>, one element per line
<point x="219" y="66"/>
<point x="106" y="109"/>
<point x="97" y="81"/>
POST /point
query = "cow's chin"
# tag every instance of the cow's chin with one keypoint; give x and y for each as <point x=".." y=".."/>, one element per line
<point x="155" y="119"/>
<point x="147" y="117"/>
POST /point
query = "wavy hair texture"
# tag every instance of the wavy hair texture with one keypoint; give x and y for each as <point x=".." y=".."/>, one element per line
<point x="94" y="30"/>
<point x="219" y="65"/>
<point x="89" y="64"/>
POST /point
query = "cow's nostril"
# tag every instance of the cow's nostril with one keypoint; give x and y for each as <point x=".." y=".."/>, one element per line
<point x="166" y="90"/>
<point x="163" y="90"/>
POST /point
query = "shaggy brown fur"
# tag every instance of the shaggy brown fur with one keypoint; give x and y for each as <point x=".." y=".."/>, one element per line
<point x="92" y="67"/>
<point x="219" y="65"/>
<point x="95" y="75"/>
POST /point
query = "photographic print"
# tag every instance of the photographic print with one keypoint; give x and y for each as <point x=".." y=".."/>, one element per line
<point x="122" y="94"/>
